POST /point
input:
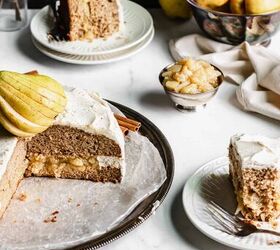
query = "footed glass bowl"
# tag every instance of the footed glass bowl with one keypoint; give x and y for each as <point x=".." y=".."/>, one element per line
<point x="234" y="28"/>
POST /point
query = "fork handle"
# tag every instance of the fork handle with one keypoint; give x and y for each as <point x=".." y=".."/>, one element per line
<point x="268" y="231"/>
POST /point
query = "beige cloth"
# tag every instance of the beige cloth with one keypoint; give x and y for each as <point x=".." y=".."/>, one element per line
<point x="254" y="68"/>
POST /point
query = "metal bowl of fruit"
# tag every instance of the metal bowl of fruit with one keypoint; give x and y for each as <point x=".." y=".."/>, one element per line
<point x="190" y="83"/>
<point x="237" y="21"/>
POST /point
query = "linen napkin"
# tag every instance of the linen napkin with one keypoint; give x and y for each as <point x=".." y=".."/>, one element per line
<point x="255" y="69"/>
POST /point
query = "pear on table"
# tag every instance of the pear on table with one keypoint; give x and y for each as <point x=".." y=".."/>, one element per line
<point x="29" y="103"/>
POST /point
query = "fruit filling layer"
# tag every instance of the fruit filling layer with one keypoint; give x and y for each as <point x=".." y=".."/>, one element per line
<point x="71" y="167"/>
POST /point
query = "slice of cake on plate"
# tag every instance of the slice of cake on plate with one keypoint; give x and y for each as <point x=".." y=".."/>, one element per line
<point x="255" y="174"/>
<point x="87" y="19"/>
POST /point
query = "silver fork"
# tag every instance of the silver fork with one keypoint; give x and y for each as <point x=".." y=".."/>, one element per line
<point x="233" y="224"/>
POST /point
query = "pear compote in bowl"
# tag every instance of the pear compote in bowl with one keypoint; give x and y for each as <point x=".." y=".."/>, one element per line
<point x="190" y="83"/>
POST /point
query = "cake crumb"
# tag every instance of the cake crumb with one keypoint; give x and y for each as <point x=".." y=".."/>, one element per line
<point x="55" y="212"/>
<point x="52" y="218"/>
<point x="69" y="199"/>
<point x="38" y="200"/>
<point x="78" y="204"/>
<point x="22" y="197"/>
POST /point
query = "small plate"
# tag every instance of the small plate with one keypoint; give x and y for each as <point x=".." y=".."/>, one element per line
<point x="138" y="24"/>
<point x="211" y="182"/>
<point x="94" y="59"/>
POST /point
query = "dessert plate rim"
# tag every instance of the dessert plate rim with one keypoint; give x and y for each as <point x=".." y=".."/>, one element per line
<point x="88" y="60"/>
<point x="191" y="197"/>
<point x="89" y="48"/>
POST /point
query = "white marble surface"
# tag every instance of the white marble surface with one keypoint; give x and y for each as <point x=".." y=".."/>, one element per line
<point x="195" y="138"/>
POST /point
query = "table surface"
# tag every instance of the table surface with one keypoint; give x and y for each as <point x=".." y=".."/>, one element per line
<point x="195" y="138"/>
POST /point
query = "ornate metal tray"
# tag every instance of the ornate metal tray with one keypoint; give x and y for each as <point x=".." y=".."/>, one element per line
<point x="146" y="208"/>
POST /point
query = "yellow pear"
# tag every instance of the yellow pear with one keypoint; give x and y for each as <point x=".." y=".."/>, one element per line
<point x="25" y="109"/>
<point x="27" y="85"/>
<point x="211" y="4"/>
<point x="38" y="107"/>
<point x="19" y="121"/>
<point x="237" y="6"/>
<point x="261" y="6"/>
<point x="12" y="129"/>
<point x="29" y="103"/>
<point x="176" y="8"/>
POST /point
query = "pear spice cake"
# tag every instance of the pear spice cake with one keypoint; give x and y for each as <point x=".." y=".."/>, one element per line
<point x="255" y="174"/>
<point x="58" y="133"/>
<point x="87" y="19"/>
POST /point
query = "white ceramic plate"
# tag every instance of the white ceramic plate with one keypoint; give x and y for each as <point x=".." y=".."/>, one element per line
<point x="138" y="24"/>
<point x="94" y="59"/>
<point x="211" y="182"/>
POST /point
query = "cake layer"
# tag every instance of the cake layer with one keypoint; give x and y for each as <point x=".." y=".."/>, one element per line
<point x="13" y="174"/>
<point x="90" y="19"/>
<point x="256" y="177"/>
<point x="68" y="141"/>
<point x="66" y="152"/>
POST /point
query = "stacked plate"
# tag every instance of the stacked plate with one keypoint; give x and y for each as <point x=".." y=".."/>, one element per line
<point x="137" y="33"/>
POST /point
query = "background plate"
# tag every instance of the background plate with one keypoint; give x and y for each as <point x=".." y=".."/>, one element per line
<point x="137" y="25"/>
<point x="94" y="59"/>
<point x="211" y="182"/>
<point x="147" y="207"/>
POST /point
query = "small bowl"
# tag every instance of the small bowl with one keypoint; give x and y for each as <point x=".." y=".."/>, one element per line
<point x="190" y="102"/>
<point x="236" y="28"/>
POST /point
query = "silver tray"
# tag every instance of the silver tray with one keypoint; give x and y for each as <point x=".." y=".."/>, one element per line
<point x="146" y="208"/>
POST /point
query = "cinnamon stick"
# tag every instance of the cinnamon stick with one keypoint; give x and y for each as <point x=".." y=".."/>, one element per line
<point x="124" y="130"/>
<point x="124" y="120"/>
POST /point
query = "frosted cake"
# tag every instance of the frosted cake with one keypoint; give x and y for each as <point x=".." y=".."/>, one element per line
<point x="85" y="142"/>
<point x="255" y="174"/>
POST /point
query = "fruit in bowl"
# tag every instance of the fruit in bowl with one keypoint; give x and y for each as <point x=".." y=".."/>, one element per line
<point x="236" y="21"/>
<point x="190" y="83"/>
<point x="241" y="6"/>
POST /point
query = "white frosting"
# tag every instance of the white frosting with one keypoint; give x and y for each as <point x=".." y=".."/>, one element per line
<point x="112" y="161"/>
<point x="257" y="151"/>
<point x="7" y="147"/>
<point x="88" y="112"/>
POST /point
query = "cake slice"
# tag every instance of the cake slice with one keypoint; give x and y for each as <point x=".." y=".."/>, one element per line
<point x="88" y="19"/>
<point x="255" y="173"/>
<point x="12" y="167"/>
<point x="85" y="142"/>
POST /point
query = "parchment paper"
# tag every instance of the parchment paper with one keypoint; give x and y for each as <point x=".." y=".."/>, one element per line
<point x="50" y="213"/>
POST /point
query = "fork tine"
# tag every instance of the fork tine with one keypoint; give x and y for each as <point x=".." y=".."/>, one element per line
<point x="224" y="219"/>
<point x="228" y="229"/>
<point x="221" y="209"/>
<point x="221" y="214"/>
<point x="225" y="213"/>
